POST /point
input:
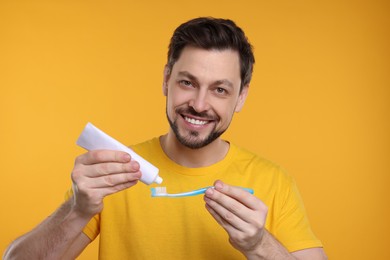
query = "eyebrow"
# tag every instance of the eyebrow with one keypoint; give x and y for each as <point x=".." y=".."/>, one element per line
<point x="218" y="82"/>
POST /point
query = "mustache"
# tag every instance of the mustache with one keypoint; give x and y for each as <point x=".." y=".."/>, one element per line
<point x="191" y="111"/>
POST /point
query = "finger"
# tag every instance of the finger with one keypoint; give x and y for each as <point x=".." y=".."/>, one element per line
<point x="225" y="205"/>
<point x="224" y="211"/>
<point x="240" y="195"/>
<point x="106" y="191"/>
<point x="121" y="187"/>
<point x="217" y="217"/>
<point x="236" y="200"/>
<point x="113" y="180"/>
<point x="229" y="228"/>
<point x="102" y="169"/>
<point x="101" y="156"/>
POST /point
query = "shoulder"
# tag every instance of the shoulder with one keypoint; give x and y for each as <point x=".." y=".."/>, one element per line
<point x="258" y="165"/>
<point x="146" y="146"/>
<point x="148" y="149"/>
<point x="244" y="156"/>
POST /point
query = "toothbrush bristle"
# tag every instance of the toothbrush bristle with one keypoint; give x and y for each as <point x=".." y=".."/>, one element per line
<point x="159" y="190"/>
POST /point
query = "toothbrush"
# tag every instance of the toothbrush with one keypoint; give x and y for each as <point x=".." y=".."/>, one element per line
<point x="162" y="192"/>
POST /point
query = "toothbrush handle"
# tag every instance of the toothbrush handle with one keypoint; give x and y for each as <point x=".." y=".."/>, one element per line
<point x="251" y="191"/>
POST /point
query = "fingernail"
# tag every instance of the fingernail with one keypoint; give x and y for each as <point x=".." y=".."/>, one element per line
<point x="218" y="186"/>
<point x="134" y="165"/>
<point x="209" y="191"/>
<point x="126" y="157"/>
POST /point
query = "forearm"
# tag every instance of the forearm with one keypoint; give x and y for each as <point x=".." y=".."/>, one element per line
<point x="50" y="239"/>
<point x="269" y="248"/>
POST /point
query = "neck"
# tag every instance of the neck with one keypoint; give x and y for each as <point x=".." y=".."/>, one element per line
<point x="193" y="158"/>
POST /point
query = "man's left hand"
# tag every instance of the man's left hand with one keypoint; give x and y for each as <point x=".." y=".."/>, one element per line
<point x="240" y="213"/>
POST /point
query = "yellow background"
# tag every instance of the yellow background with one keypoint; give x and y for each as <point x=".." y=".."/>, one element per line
<point x="318" y="102"/>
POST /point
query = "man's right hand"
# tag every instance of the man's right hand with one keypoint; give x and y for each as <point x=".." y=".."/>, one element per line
<point x="99" y="173"/>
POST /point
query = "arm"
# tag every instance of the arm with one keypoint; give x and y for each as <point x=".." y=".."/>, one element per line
<point x="56" y="233"/>
<point x="96" y="174"/>
<point x="243" y="216"/>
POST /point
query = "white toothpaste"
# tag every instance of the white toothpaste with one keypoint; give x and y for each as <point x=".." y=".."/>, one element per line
<point x="93" y="138"/>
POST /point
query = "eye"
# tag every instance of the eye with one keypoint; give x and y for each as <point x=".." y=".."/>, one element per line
<point x="221" y="90"/>
<point x="185" y="83"/>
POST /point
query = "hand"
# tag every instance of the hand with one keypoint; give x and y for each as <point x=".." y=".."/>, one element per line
<point x="241" y="214"/>
<point x="97" y="174"/>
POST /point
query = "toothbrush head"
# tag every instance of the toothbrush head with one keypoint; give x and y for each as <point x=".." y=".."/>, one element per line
<point x="159" y="191"/>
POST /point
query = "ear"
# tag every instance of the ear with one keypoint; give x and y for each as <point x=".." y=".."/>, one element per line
<point x="241" y="98"/>
<point x="167" y="73"/>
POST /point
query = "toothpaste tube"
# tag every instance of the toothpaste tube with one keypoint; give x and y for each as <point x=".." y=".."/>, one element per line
<point x="93" y="138"/>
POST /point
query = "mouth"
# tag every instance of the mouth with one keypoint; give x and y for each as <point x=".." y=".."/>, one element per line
<point x="195" y="121"/>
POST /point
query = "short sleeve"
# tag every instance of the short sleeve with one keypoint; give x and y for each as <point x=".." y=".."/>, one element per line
<point x="92" y="229"/>
<point x="292" y="226"/>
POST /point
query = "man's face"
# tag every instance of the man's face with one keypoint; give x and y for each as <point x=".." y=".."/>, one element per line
<point x="203" y="92"/>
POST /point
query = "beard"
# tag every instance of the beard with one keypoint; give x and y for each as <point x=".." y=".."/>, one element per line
<point x="192" y="140"/>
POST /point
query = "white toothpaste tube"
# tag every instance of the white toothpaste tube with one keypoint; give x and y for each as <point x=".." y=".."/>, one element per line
<point x="93" y="138"/>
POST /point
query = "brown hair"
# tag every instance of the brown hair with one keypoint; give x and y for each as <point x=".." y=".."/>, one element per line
<point x="213" y="33"/>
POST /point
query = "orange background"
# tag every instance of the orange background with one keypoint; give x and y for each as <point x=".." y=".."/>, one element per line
<point x="318" y="102"/>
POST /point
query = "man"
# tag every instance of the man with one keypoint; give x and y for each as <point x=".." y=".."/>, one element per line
<point x="206" y="81"/>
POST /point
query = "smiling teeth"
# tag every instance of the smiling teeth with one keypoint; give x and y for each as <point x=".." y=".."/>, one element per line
<point x="195" y="121"/>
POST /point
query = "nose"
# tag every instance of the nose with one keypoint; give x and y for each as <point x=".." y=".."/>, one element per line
<point x="200" y="102"/>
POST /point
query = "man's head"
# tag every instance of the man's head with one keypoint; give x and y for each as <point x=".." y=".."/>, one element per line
<point x="212" y="33"/>
<point x="206" y="80"/>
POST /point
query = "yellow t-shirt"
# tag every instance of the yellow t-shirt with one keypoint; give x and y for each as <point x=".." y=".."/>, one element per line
<point x="133" y="225"/>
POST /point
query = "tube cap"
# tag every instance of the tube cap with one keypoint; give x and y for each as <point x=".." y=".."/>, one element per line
<point x="158" y="180"/>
